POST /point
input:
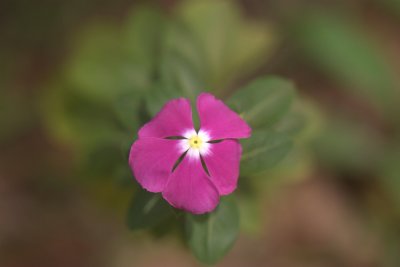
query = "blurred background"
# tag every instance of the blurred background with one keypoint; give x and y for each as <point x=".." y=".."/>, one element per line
<point x="75" y="75"/>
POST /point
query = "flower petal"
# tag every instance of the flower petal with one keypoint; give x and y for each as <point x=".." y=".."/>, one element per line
<point x="218" y="120"/>
<point x="174" y="119"/>
<point x="223" y="165"/>
<point x="152" y="160"/>
<point x="190" y="189"/>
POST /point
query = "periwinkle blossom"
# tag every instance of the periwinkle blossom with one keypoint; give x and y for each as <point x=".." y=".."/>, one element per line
<point x="191" y="169"/>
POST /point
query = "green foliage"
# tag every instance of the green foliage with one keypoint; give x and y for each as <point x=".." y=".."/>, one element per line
<point x="142" y="36"/>
<point x="126" y="109"/>
<point x="222" y="39"/>
<point x="99" y="69"/>
<point x="77" y="120"/>
<point x="292" y="123"/>
<point x="181" y="63"/>
<point x="336" y="44"/>
<point x="264" y="101"/>
<point x="147" y="210"/>
<point x="265" y="104"/>
<point x="263" y="150"/>
<point x="210" y="236"/>
<point x="176" y="72"/>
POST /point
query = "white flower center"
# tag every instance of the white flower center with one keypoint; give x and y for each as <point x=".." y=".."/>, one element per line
<point x="195" y="144"/>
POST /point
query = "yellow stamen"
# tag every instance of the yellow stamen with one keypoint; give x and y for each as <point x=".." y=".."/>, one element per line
<point x="195" y="142"/>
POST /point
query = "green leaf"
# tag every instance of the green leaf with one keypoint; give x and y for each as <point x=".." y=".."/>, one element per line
<point x="210" y="236"/>
<point x="263" y="150"/>
<point x="143" y="33"/>
<point x="147" y="210"/>
<point x="109" y="61"/>
<point x="177" y="72"/>
<point x="292" y="123"/>
<point x="338" y="47"/>
<point x="264" y="101"/>
<point x="251" y="214"/>
<point x="99" y="68"/>
<point x="222" y="36"/>
<point x="101" y="159"/>
<point x="75" y="119"/>
<point x="179" y="47"/>
<point x="126" y="108"/>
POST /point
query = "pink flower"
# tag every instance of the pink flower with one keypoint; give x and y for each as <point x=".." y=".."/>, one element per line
<point x="190" y="186"/>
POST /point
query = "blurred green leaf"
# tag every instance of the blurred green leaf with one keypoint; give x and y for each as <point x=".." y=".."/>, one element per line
<point x="347" y="145"/>
<point x="77" y="120"/>
<point x="263" y="150"/>
<point x="292" y="123"/>
<point x="264" y="101"/>
<point x="250" y="214"/>
<point x="303" y="122"/>
<point x="222" y="36"/>
<point x="143" y="34"/>
<point x="126" y="108"/>
<point x="210" y="236"/>
<point x="180" y="69"/>
<point x="103" y="159"/>
<point x="180" y="47"/>
<point x="99" y="68"/>
<point x="147" y="210"/>
<point x="176" y="72"/>
<point x="109" y="61"/>
<point x="338" y="46"/>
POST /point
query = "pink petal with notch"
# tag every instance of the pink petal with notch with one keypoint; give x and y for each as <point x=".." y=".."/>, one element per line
<point x="218" y="120"/>
<point x="152" y="160"/>
<point x="190" y="189"/>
